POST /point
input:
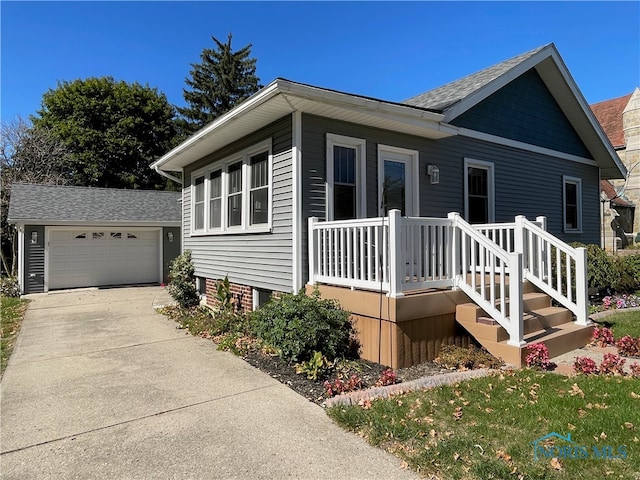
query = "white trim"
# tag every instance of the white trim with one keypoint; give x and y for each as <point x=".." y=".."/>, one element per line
<point x="526" y="146"/>
<point x="244" y="157"/>
<point x="296" y="173"/>
<point x="491" y="191"/>
<point x="45" y="280"/>
<point x="412" y="178"/>
<point x="578" y="183"/>
<point x="360" y="146"/>
<point x="20" y="230"/>
<point x="97" y="223"/>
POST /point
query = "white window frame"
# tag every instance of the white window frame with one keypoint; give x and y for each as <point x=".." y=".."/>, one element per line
<point x="360" y="146"/>
<point x="566" y="179"/>
<point x="243" y="156"/>
<point x="412" y="177"/>
<point x="490" y="168"/>
<point x="194" y="178"/>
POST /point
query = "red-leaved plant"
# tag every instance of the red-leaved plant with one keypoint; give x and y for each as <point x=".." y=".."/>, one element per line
<point x="612" y="364"/>
<point x="387" y="377"/>
<point x="635" y="370"/>
<point x="628" y="346"/>
<point x="603" y="336"/>
<point x="339" y="386"/>
<point x="585" y="365"/>
<point x="538" y="357"/>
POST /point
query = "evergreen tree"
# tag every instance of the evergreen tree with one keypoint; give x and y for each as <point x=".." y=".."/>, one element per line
<point x="222" y="80"/>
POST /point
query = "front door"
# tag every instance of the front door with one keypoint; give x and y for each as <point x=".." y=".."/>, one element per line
<point x="397" y="175"/>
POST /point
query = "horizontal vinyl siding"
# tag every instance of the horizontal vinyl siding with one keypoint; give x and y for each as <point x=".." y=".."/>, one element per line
<point x="524" y="110"/>
<point x="526" y="183"/>
<point x="260" y="260"/>
<point x="34" y="260"/>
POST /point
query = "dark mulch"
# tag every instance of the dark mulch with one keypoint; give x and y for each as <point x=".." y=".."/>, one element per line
<point x="314" y="391"/>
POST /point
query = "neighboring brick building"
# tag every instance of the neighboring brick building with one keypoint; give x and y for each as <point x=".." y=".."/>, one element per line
<point x="620" y="119"/>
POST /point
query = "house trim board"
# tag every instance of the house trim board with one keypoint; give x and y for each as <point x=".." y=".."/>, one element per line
<point x="507" y="142"/>
<point x="296" y="172"/>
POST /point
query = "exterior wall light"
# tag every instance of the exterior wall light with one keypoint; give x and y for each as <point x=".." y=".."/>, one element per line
<point x="170" y="237"/>
<point x="434" y="174"/>
<point x="34" y="236"/>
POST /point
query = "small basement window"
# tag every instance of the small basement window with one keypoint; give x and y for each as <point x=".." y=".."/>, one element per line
<point x="260" y="297"/>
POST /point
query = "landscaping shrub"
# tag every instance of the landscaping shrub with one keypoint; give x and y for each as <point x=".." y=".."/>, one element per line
<point x="300" y="325"/>
<point x="627" y="277"/>
<point x="466" y="358"/>
<point x="9" y="287"/>
<point x="612" y="364"/>
<point x="339" y="386"/>
<point x="602" y="337"/>
<point x="182" y="286"/>
<point x="601" y="271"/>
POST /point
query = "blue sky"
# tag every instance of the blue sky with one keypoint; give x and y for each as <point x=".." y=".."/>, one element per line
<point x="387" y="50"/>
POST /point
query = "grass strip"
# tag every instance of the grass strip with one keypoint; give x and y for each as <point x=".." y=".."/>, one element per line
<point x="486" y="428"/>
<point x="11" y="315"/>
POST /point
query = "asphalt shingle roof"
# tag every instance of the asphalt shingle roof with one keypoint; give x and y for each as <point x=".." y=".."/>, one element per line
<point x="447" y="95"/>
<point x="56" y="203"/>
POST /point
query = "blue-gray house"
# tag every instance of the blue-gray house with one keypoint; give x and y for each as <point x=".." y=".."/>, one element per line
<point x="458" y="190"/>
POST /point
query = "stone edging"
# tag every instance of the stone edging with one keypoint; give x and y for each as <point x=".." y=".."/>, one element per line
<point x="606" y="313"/>
<point x="423" y="383"/>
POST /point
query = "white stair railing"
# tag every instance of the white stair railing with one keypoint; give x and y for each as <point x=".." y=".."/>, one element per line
<point x="556" y="268"/>
<point x="480" y="269"/>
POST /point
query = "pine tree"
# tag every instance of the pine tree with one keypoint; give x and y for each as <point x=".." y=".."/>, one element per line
<point x="222" y="80"/>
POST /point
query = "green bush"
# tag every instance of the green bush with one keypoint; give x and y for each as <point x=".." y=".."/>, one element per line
<point x="601" y="271"/>
<point x="627" y="278"/>
<point x="300" y="325"/>
<point x="182" y="285"/>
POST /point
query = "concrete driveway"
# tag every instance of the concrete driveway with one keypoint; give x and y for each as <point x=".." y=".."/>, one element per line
<point x="100" y="386"/>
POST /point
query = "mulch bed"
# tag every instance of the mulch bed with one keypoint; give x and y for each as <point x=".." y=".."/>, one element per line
<point x="314" y="391"/>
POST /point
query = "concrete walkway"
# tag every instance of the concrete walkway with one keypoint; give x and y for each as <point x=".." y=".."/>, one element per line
<point x="100" y="386"/>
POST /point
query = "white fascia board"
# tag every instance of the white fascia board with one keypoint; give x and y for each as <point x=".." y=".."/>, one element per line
<point x="577" y="94"/>
<point x="253" y="101"/>
<point x="378" y="108"/>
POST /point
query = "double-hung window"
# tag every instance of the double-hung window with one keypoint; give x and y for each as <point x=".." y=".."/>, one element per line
<point x="572" y="203"/>
<point x="479" y="203"/>
<point x="345" y="177"/>
<point x="198" y="203"/>
<point x="215" y="199"/>
<point x="259" y="170"/>
<point x="234" y="194"/>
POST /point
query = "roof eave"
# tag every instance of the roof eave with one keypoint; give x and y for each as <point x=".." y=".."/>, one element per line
<point x="558" y="75"/>
<point x="285" y="97"/>
<point x="92" y="223"/>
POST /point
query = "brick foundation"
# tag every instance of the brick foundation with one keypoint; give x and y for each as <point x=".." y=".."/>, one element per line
<point x="242" y="295"/>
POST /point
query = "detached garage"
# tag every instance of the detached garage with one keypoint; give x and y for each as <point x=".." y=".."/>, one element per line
<point x="70" y="237"/>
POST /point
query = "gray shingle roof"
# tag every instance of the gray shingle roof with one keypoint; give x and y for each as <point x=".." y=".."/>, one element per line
<point x="443" y="97"/>
<point x="64" y="204"/>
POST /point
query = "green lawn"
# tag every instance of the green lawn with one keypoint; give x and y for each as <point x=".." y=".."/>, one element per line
<point x="484" y="428"/>
<point x="623" y="323"/>
<point x="11" y="315"/>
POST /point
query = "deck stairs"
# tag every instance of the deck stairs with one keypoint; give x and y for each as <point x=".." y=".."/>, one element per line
<point x="543" y="323"/>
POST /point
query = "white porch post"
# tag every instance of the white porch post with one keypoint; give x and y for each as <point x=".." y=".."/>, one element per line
<point x="455" y="253"/>
<point x="582" y="294"/>
<point x="516" y="323"/>
<point x="313" y="250"/>
<point x="396" y="258"/>
<point x="542" y="220"/>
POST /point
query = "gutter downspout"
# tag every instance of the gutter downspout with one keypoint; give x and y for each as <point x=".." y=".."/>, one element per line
<point x="167" y="175"/>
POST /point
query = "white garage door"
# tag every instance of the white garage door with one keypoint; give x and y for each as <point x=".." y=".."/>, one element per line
<point x="89" y="258"/>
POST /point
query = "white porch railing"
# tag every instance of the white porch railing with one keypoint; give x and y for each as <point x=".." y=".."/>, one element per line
<point x="397" y="254"/>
